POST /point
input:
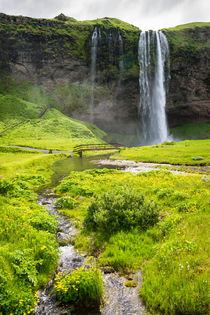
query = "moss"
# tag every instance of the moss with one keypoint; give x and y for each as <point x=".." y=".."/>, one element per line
<point x="131" y="284"/>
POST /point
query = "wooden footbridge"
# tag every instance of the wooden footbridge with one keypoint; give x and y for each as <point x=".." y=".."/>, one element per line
<point x="79" y="149"/>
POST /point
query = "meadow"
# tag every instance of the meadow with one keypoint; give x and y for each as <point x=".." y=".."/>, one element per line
<point x="156" y="222"/>
<point x="171" y="247"/>
<point x="188" y="152"/>
<point x="28" y="247"/>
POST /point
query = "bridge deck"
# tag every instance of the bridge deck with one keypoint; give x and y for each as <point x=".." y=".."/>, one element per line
<point x="95" y="147"/>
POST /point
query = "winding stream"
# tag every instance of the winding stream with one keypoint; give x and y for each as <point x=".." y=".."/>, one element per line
<point x="118" y="299"/>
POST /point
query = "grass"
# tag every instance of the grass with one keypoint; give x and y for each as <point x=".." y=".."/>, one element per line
<point x="53" y="131"/>
<point x="191" y="131"/>
<point x="182" y="153"/>
<point x="81" y="285"/>
<point x="28" y="247"/>
<point x="188" y="25"/>
<point x="175" y="245"/>
<point x="18" y="163"/>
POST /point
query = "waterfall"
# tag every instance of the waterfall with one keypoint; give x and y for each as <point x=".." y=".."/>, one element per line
<point x="153" y="55"/>
<point x="121" y="52"/>
<point x="94" y="46"/>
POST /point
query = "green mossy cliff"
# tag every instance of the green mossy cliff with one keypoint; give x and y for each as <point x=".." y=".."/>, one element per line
<point x="49" y="60"/>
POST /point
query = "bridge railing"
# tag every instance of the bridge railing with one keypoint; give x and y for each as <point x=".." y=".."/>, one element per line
<point x="96" y="147"/>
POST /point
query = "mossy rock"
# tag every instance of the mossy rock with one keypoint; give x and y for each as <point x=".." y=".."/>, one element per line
<point x="131" y="284"/>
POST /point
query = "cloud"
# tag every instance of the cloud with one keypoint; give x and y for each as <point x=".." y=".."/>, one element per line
<point x="143" y="13"/>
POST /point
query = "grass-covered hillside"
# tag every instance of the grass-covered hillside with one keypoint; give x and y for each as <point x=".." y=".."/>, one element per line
<point x="187" y="37"/>
<point x="189" y="25"/>
<point x="36" y="125"/>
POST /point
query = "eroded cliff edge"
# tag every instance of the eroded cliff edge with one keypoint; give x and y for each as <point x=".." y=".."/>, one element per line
<point x="51" y="59"/>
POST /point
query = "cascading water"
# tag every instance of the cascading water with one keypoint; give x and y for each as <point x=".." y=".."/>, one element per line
<point x="121" y="52"/>
<point x="96" y="34"/>
<point x="153" y="54"/>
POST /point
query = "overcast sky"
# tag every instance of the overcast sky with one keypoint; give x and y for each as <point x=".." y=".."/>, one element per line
<point x="146" y="14"/>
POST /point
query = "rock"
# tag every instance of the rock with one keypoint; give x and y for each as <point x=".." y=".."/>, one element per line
<point x="131" y="284"/>
<point x="77" y="259"/>
<point x="129" y="277"/>
<point x="108" y="269"/>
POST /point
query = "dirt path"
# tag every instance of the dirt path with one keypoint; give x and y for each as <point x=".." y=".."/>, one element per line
<point x="40" y="150"/>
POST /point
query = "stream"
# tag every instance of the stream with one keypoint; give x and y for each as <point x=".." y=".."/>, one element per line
<point x="118" y="299"/>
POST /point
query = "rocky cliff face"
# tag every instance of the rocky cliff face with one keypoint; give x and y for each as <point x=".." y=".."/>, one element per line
<point x="55" y="56"/>
<point x="189" y="93"/>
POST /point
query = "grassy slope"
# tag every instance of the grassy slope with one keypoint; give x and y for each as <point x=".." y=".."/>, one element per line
<point x="188" y="25"/>
<point x="181" y="153"/>
<point x="184" y="42"/>
<point x="52" y="131"/>
<point x="173" y="254"/>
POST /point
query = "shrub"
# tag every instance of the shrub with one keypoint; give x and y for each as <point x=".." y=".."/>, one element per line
<point x="6" y="186"/>
<point x="81" y="285"/>
<point x="44" y="221"/>
<point x="121" y="210"/>
<point x="65" y="202"/>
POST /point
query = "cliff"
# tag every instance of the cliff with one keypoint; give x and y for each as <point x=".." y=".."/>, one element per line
<point x="48" y="61"/>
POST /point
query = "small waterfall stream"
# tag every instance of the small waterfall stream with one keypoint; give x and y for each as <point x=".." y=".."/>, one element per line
<point x="95" y="37"/>
<point x="118" y="299"/>
<point x="153" y="55"/>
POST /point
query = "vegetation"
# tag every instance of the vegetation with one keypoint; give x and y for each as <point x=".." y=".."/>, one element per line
<point x="155" y="221"/>
<point x="120" y="210"/>
<point x="12" y="163"/>
<point x="189" y="25"/>
<point x="174" y="245"/>
<point x="53" y="131"/>
<point x="81" y="285"/>
<point x="27" y="244"/>
<point x="191" y="131"/>
<point x="181" y="153"/>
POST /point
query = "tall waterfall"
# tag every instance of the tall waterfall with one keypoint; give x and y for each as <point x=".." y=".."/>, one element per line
<point x="153" y="55"/>
<point x="96" y="34"/>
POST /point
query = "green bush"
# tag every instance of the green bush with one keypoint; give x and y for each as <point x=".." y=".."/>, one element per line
<point x="6" y="186"/>
<point x="44" y="221"/>
<point x="65" y="202"/>
<point x="81" y="285"/>
<point x="121" y="209"/>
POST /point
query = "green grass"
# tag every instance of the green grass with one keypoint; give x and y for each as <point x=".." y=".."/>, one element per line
<point x="81" y="285"/>
<point x="53" y="131"/>
<point x="111" y="23"/>
<point x="188" y="25"/>
<point x="182" y="153"/>
<point x="28" y="247"/>
<point x="173" y="254"/>
<point x="17" y="163"/>
<point x="191" y="131"/>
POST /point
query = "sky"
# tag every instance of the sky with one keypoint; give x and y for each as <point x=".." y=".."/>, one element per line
<point x="146" y="14"/>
